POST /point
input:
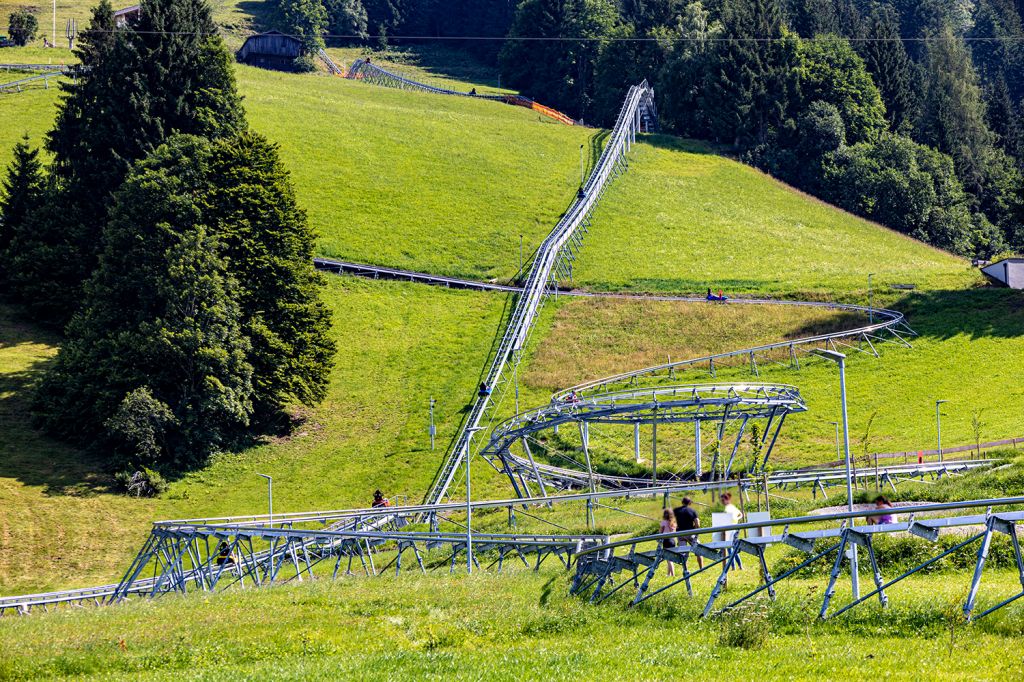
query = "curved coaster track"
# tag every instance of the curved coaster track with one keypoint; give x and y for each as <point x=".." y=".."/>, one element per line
<point x="217" y="553"/>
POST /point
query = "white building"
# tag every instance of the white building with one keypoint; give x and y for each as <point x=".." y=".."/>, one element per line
<point x="1009" y="272"/>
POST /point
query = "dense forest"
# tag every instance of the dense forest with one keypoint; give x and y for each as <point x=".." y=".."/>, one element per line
<point x="908" y="112"/>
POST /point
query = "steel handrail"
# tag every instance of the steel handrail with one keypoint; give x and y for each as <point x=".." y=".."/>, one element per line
<point x="802" y="520"/>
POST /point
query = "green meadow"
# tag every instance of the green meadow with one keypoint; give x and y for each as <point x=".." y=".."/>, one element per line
<point x="450" y="185"/>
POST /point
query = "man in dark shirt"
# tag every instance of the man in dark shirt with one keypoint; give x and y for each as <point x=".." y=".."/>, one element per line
<point x="687" y="519"/>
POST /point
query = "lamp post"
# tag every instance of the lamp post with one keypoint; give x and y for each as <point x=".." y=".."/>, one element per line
<point x="840" y="359"/>
<point x="433" y="431"/>
<point x="270" y="497"/>
<point x="469" y="506"/>
<point x="871" y="307"/>
<point x="938" y="425"/>
<point x="581" y="166"/>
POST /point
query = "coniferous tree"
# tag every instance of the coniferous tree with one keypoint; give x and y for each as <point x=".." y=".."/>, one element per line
<point x="751" y="75"/>
<point x="22" y="194"/>
<point x="953" y="110"/>
<point x="1003" y="118"/>
<point x="891" y="68"/>
<point x="169" y="72"/>
<point x="267" y="240"/>
<point x="161" y="313"/>
<point x="560" y="71"/>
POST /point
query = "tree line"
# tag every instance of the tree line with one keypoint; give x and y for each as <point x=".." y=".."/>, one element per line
<point x="164" y="237"/>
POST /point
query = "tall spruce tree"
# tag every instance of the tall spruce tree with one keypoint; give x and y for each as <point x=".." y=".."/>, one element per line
<point x="250" y="204"/>
<point x="953" y="110"/>
<point x="162" y="314"/>
<point x="233" y="198"/>
<point x="21" y="195"/>
<point x="751" y="76"/>
<point x="891" y="68"/>
<point x="561" y="69"/>
<point x="169" y="72"/>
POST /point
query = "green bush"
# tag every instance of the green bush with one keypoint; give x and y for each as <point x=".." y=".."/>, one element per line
<point x="142" y="483"/>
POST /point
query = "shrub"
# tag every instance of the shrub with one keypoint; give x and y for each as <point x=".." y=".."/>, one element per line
<point x="745" y="626"/>
<point x="142" y="483"/>
<point x="22" y="25"/>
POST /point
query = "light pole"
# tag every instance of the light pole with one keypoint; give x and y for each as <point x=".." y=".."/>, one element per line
<point x="469" y="506"/>
<point x="581" y="166"/>
<point x="840" y="359"/>
<point x="270" y="497"/>
<point x="871" y="307"/>
<point x="938" y="425"/>
<point x="433" y="431"/>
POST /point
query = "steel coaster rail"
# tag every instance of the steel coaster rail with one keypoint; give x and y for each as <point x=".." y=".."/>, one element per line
<point x="637" y="106"/>
<point x="413" y="511"/>
<point x="364" y="70"/>
<point x="38" y="67"/>
<point x="371" y="520"/>
<point x="891" y="321"/>
<point x="16" y="86"/>
<point x="596" y="565"/>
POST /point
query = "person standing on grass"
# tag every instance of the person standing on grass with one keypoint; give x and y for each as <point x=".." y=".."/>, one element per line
<point x="668" y="525"/>
<point x="730" y="508"/>
<point x="687" y="519"/>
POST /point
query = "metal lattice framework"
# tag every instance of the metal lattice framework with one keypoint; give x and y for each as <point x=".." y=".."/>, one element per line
<point x="717" y="404"/>
<point x="597" y="567"/>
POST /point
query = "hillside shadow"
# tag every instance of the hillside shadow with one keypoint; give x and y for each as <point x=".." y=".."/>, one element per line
<point x="260" y="11"/>
<point x="26" y="454"/>
<point x="983" y="312"/>
<point x="685" y="144"/>
<point x="439" y="61"/>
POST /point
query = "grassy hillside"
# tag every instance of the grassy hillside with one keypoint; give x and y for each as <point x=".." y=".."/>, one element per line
<point x="683" y="219"/>
<point x="519" y="625"/>
<point x="395" y="178"/>
<point x="415" y="180"/>
<point x="399" y="344"/>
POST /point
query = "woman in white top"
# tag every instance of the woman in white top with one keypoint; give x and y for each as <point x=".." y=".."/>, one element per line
<point x="730" y="508"/>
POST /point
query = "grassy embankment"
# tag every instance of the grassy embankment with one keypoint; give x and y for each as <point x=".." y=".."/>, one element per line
<point x="513" y="626"/>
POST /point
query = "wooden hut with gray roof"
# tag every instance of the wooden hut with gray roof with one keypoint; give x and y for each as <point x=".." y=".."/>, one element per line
<point x="271" y="50"/>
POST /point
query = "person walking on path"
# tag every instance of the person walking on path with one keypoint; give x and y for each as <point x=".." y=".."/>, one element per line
<point x="668" y="525"/>
<point x="687" y="519"/>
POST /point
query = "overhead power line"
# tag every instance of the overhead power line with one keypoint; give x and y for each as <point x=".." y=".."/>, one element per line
<point x="588" y="39"/>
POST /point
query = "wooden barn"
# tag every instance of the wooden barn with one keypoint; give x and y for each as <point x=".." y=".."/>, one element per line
<point x="271" y="50"/>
